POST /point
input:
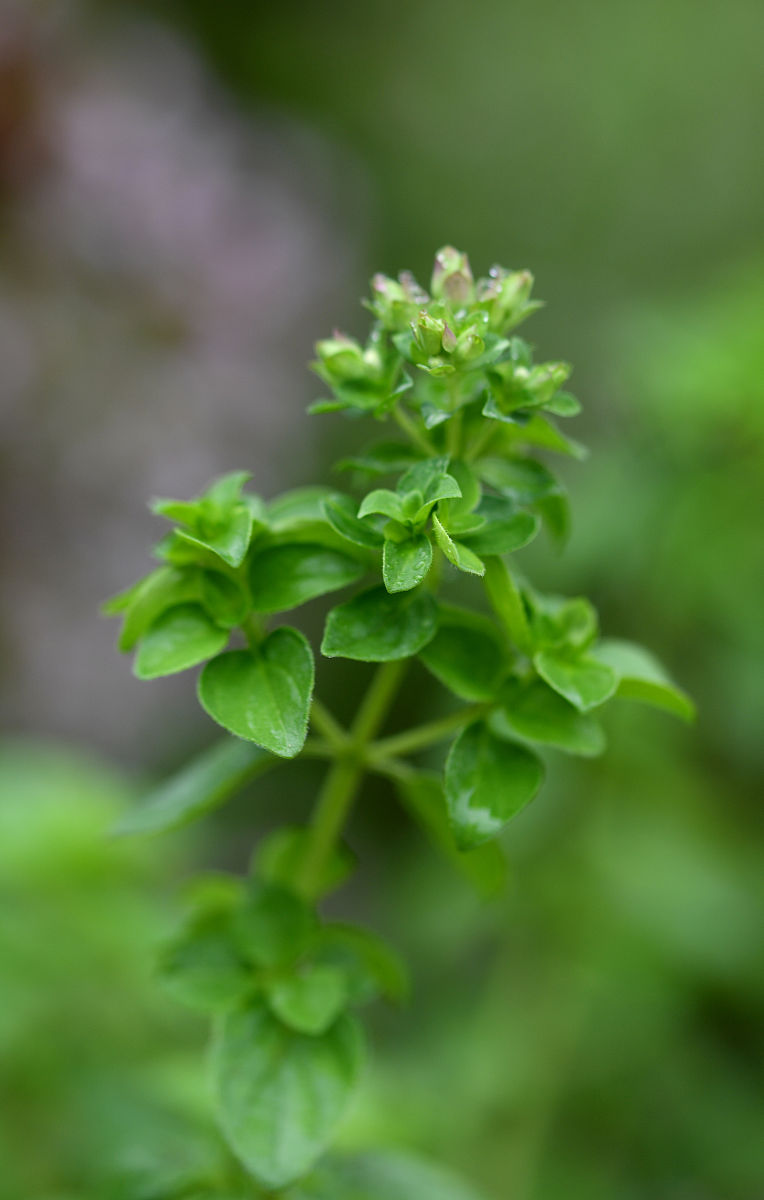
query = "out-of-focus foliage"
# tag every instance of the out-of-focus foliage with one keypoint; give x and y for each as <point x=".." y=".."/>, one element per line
<point x="96" y="1080"/>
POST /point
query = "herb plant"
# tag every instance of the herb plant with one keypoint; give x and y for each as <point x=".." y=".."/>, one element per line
<point x="455" y="493"/>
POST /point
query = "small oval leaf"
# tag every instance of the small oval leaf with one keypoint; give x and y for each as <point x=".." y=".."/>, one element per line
<point x="283" y="577"/>
<point x="181" y="638"/>
<point x="281" y="1094"/>
<point x="376" y="626"/>
<point x="488" y="781"/>
<point x="263" y="695"/>
<point x="405" y="564"/>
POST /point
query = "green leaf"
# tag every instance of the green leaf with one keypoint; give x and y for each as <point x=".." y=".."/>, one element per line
<point x="283" y="577"/>
<point x="542" y="432"/>
<point x="529" y="482"/>
<point x="381" y="458"/>
<point x="274" y="927"/>
<point x="376" y="626"/>
<point x="303" y="506"/>
<point x="201" y="966"/>
<point x="488" y="781"/>
<point x="422" y="796"/>
<point x="457" y="553"/>
<point x="562" y="623"/>
<point x="405" y="564"/>
<point x="469" y="486"/>
<point x="342" y="514"/>
<point x="309" y="1001"/>
<point x="223" y="598"/>
<point x="535" y="713"/>
<point x="431" y="479"/>
<point x="203" y="785"/>
<point x="281" y="1094"/>
<point x="162" y="589"/>
<point x="225" y="492"/>
<point x="467" y="654"/>
<point x="382" y="1176"/>
<point x="279" y="857"/>
<point x="119" y="603"/>
<point x="563" y="404"/>
<point x="641" y="677"/>
<point x="230" y="541"/>
<point x="583" y="680"/>
<point x="505" y="530"/>
<point x="383" y="501"/>
<point x="370" y="965"/>
<point x="263" y="695"/>
<point x="181" y="638"/>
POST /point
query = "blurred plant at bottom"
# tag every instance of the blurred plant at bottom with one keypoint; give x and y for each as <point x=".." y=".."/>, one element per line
<point x="97" y="1066"/>
<point x="103" y="1090"/>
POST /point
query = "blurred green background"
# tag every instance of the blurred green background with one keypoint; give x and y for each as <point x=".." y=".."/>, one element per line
<point x="191" y="193"/>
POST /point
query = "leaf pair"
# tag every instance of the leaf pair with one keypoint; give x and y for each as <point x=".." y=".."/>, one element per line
<point x="407" y="550"/>
<point x="218" y="523"/>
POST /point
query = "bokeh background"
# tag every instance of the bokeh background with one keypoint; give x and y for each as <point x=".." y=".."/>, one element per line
<point x="190" y="194"/>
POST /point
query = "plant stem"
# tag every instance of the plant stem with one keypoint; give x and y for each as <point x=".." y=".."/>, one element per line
<point x="454" y="434"/>
<point x="253" y="630"/>
<point x="325" y="723"/>
<point x="341" y="783"/>
<point x="482" y="442"/>
<point x="423" y="736"/>
<point x="409" y="427"/>
<point x="317" y="748"/>
<point x="376" y="703"/>
<point x="507" y="603"/>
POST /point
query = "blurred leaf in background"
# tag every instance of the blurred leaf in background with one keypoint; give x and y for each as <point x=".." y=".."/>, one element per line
<point x="99" y="1071"/>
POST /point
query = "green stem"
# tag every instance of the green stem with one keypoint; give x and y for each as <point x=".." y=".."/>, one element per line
<point x="483" y="440"/>
<point x="325" y="723"/>
<point x="253" y="630"/>
<point x="507" y="603"/>
<point x="376" y="703"/>
<point x="412" y="740"/>
<point x="409" y="427"/>
<point x="341" y="783"/>
<point x="317" y="748"/>
<point x="454" y="434"/>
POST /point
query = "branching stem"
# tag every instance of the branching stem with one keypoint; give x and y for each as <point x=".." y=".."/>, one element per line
<point x="341" y="783"/>
<point x="422" y="736"/>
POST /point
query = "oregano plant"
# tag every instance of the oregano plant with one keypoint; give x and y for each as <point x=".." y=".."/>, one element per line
<point x="447" y="500"/>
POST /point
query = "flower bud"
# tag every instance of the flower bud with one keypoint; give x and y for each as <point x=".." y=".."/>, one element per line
<point x="449" y="340"/>
<point x="411" y="289"/>
<point x="505" y="295"/>
<point x="545" y="378"/>
<point x="469" y="345"/>
<point x="452" y="277"/>
<point x="341" y="359"/>
<point x="395" y="302"/>
<point x="428" y="333"/>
